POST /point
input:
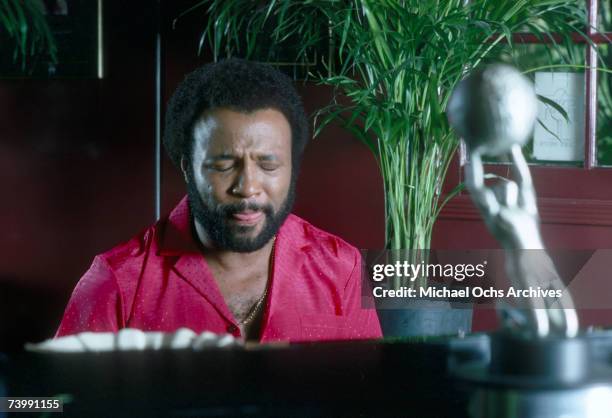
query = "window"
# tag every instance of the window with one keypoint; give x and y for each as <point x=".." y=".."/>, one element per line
<point x="574" y="185"/>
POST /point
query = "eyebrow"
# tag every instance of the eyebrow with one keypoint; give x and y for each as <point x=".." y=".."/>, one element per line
<point x="224" y="156"/>
<point x="267" y="157"/>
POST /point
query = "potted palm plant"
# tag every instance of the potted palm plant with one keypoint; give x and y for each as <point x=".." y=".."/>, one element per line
<point x="394" y="66"/>
<point x="24" y="33"/>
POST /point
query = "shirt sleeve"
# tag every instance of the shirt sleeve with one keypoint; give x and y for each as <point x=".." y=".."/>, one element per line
<point x="95" y="304"/>
<point x="362" y="321"/>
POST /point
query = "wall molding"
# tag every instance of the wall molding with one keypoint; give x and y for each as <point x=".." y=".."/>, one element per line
<point x="552" y="211"/>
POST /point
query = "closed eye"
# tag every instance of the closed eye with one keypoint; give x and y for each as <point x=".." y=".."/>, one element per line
<point x="221" y="166"/>
<point x="269" y="166"/>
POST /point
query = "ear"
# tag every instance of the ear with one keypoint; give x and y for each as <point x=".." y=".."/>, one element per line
<point x="184" y="168"/>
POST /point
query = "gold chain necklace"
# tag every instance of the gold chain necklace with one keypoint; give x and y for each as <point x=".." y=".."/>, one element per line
<point x="253" y="311"/>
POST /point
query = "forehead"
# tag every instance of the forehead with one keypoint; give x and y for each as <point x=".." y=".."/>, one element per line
<point x="224" y="130"/>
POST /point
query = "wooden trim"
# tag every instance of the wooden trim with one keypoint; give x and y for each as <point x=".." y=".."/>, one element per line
<point x="601" y="37"/>
<point x="552" y="211"/>
<point x="530" y="38"/>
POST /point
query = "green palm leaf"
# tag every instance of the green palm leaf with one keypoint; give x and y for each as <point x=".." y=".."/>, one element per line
<point x="396" y="64"/>
<point x="24" y="24"/>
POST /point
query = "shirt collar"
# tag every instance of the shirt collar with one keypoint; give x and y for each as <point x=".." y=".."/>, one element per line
<point x="176" y="237"/>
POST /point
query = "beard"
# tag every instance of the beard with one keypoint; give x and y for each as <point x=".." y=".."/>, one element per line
<point x="214" y="218"/>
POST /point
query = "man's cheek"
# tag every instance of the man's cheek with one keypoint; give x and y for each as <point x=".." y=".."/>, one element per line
<point x="213" y="195"/>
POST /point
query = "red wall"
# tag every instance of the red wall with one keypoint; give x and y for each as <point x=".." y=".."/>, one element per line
<point x="76" y="162"/>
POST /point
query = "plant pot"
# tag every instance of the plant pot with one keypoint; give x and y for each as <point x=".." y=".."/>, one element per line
<point x="425" y="318"/>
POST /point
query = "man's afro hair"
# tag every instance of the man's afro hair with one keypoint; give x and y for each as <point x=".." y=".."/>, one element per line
<point x="237" y="84"/>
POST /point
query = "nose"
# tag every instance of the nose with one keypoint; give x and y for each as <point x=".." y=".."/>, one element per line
<point x="247" y="183"/>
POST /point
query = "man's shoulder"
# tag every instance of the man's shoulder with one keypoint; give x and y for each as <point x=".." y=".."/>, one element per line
<point x="171" y="235"/>
<point x="137" y="247"/>
<point x="304" y="234"/>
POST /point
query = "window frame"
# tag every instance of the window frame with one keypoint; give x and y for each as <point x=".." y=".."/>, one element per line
<point x="572" y="195"/>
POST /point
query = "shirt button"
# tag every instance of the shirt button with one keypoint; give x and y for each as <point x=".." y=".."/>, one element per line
<point x="231" y="328"/>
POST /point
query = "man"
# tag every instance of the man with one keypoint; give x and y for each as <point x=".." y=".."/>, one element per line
<point x="230" y="258"/>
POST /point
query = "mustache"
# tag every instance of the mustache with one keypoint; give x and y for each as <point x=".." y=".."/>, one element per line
<point x="232" y="208"/>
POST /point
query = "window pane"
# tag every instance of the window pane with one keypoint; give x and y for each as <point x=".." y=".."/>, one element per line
<point x="604" y="109"/>
<point x="556" y="140"/>
<point x="605" y="16"/>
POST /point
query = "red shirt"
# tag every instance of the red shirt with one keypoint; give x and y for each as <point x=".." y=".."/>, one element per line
<point x="159" y="281"/>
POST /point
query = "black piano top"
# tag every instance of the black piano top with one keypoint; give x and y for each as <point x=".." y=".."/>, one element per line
<point x="342" y="379"/>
